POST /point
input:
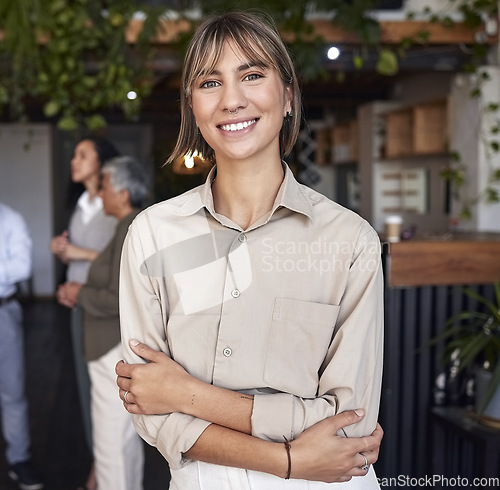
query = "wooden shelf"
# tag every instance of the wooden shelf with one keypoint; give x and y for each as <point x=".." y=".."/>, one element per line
<point x="418" y="130"/>
<point x="345" y="142"/>
<point x="461" y="260"/>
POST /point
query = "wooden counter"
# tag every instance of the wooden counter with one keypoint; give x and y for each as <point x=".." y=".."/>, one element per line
<point x="455" y="259"/>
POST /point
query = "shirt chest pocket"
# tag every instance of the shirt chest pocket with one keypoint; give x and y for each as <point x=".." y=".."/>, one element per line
<point x="299" y="337"/>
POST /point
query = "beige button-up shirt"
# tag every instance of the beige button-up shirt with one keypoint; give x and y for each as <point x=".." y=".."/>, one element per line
<point x="289" y="310"/>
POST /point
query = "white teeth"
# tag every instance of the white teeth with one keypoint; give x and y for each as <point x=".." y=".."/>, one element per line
<point x="239" y="126"/>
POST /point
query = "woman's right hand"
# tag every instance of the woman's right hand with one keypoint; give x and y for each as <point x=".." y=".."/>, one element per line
<point x="59" y="244"/>
<point x="320" y="454"/>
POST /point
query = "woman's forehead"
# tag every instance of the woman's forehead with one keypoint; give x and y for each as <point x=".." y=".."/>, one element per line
<point x="248" y="53"/>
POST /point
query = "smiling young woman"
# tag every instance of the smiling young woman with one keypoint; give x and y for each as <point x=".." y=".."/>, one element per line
<point x="256" y="373"/>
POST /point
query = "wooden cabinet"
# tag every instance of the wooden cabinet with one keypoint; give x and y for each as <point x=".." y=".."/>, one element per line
<point x="420" y="129"/>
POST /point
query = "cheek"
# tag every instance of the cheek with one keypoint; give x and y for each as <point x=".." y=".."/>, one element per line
<point x="91" y="167"/>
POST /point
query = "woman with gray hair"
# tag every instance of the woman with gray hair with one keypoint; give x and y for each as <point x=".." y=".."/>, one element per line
<point x="118" y="450"/>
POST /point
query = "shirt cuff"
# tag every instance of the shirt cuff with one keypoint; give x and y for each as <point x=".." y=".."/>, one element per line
<point x="177" y="436"/>
<point x="272" y="417"/>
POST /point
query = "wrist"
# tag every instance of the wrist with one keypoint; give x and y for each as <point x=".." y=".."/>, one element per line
<point x="190" y="395"/>
<point x="288" y="449"/>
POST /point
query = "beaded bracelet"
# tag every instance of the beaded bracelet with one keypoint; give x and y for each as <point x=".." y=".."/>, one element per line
<point x="288" y="446"/>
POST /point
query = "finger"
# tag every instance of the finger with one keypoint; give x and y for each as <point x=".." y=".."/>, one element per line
<point x="132" y="408"/>
<point x="124" y="383"/>
<point x="371" y="456"/>
<point x="123" y="369"/>
<point x="363" y="461"/>
<point x="127" y="396"/>
<point x="378" y="432"/>
<point x="349" y="417"/>
<point x="144" y="351"/>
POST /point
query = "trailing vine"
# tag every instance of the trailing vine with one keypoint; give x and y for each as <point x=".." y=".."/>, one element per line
<point x="475" y="14"/>
<point x="74" y="58"/>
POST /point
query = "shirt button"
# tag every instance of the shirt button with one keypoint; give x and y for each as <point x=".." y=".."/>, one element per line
<point x="227" y="351"/>
<point x="242" y="238"/>
<point x="235" y="293"/>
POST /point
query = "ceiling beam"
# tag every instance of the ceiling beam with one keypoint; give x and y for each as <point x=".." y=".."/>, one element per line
<point x="392" y="32"/>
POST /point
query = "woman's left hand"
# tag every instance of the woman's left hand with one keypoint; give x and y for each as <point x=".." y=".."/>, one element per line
<point x="67" y="293"/>
<point x="157" y="387"/>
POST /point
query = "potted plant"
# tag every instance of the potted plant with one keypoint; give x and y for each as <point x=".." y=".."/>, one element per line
<point x="474" y="347"/>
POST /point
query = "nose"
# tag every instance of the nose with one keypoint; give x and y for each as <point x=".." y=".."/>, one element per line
<point x="233" y="97"/>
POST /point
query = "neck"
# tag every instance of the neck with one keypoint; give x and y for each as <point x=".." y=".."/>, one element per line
<point x="245" y="192"/>
<point x="92" y="186"/>
<point x="124" y="211"/>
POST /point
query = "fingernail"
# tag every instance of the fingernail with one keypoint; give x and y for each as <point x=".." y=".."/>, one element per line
<point x="359" y="412"/>
<point x="133" y="342"/>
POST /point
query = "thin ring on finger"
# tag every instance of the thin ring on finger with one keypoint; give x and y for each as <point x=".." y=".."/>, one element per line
<point x="126" y="400"/>
<point x="366" y="465"/>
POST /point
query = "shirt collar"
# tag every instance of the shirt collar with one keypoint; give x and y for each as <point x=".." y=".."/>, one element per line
<point x="290" y="196"/>
<point x="89" y="207"/>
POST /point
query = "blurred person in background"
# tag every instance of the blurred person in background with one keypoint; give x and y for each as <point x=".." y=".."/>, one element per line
<point x="15" y="266"/>
<point x="117" y="448"/>
<point x="89" y="231"/>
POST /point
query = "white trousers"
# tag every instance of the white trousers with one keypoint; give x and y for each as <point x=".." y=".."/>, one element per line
<point x="205" y="476"/>
<point x="118" y="449"/>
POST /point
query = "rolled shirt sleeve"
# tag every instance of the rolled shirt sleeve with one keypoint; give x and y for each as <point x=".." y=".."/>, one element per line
<point x="143" y="317"/>
<point x="351" y="376"/>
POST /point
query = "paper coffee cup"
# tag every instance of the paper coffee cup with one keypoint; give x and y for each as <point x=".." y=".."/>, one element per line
<point x="393" y="226"/>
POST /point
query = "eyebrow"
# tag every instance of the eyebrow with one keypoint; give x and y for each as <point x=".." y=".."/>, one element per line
<point x="241" y="68"/>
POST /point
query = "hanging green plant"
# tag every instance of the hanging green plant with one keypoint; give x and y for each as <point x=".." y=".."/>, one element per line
<point x="74" y="56"/>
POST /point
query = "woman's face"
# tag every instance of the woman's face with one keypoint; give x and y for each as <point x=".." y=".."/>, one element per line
<point x="85" y="162"/>
<point x="260" y="97"/>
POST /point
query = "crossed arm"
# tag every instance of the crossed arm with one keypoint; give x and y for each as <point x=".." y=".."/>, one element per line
<point x="162" y="386"/>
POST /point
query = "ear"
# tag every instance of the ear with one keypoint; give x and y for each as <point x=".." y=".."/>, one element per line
<point x="125" y="196"/>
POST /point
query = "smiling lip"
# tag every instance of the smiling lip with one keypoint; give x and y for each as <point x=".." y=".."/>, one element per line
<point x="237" y="126"/>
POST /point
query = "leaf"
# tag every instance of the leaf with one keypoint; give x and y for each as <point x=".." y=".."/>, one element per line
<point x="4" y="95"/>
<point x="465" y="213"/>
<point x="51" y="108"/>
<point x="358" y="61"/>
<point x="492" y="195"/>
<point x="494" y="309"/>
<point x="475" y="93"/>
<point x="96" y="121"/>
<point x="67" y="123"/>
<point x="387" y="63"/>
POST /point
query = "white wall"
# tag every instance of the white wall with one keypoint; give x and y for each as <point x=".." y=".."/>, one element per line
<point x="26" y="185"/>
<point x="470" y="136"/>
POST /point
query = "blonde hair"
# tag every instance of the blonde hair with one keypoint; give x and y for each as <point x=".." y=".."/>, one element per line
<point x="259" y="40"/>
